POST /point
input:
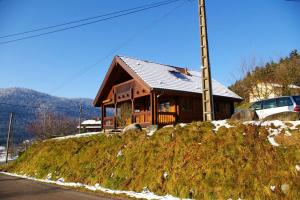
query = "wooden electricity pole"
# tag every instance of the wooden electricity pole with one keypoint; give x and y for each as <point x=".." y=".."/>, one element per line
<point x="80" y="113"/>
<point x="8" y="136"/>
<point x="207" y="97"/>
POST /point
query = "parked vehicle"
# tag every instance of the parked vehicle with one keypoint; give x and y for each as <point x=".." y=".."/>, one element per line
<point x="272" y="106"/>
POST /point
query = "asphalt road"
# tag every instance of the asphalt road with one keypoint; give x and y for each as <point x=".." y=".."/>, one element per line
<point x="22" y="189"/>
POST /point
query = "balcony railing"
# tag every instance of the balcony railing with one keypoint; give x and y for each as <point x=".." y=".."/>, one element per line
<point x="166" y="118"/>
<point x="124" y="87"/>
<point x="142" y="117"/>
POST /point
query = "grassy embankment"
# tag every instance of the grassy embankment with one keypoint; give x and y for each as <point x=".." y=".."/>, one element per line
<point x="191" y="161"/>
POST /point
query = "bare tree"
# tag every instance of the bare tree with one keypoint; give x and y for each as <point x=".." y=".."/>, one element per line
<point x="49" y="125"/>
<point x="269" y="79"/>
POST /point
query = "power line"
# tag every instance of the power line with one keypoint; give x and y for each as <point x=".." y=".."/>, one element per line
<point x="88" y="23"/>
<point x="80" y="20"/>
<point x="112" y="51"/>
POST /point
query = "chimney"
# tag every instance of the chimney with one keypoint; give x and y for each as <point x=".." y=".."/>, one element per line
<point x="183" y="70"/>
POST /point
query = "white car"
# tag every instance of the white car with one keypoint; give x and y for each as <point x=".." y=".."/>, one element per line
<point x="268" y="107"/>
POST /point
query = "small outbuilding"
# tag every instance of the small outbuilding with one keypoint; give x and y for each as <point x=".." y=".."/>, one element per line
<point x="90" y="125"/>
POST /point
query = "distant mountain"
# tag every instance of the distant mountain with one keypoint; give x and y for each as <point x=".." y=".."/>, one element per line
<point x="26" y="104"/>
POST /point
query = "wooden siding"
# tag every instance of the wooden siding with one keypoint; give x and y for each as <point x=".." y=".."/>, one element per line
<point x="189" y="108"/>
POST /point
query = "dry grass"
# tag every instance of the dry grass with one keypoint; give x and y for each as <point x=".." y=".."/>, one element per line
<point x="233" y="163"/>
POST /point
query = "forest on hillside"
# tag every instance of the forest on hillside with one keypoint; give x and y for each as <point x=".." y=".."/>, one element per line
<point x="284" y="73"/>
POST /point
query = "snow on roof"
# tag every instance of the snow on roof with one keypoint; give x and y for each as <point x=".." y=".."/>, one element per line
<point x="290" y="86"/>
<point x="168" y="77"/>
<point x="91" y="122"/>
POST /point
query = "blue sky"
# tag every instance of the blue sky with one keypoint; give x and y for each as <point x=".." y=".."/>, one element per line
<point x="238" y="30"/>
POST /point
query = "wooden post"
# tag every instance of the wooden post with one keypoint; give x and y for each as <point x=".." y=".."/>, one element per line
<point x="8" y="135"/>
<point x="115" y="112"/>
<point x="132" y="106"/>
<point x="176" y="109"/>
<point x="151" y="109"/>
<point x="115" y="116"/>
<point x="102" y="116"/>
<point x="155" y="109"/>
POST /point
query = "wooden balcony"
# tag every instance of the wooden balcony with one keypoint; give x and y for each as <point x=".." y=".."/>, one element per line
<point x="124" y="87"/>
<point x="127" y="90"/>
<point x="166" y="118"/>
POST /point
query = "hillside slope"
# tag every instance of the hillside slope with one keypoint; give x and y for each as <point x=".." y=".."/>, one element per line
<point x="26" y="104"/>
<point x="192" y="161"/>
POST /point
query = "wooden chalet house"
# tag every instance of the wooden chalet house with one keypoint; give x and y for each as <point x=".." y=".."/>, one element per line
<point x="148" y="93"/>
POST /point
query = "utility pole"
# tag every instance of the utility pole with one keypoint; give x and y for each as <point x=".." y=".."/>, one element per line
<point x="207" y="97"/>
<point x="80" y="113"/>
<point x="44" y="123"/>
<point x="8" y="135"/>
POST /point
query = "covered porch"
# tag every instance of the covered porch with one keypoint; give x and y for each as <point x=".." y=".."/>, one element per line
<point x="136" y="105"/>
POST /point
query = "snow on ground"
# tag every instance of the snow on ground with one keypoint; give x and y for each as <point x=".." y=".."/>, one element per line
<point x="151" y="133"/>
<point x="275" y="127"/>
<point x="220" y="123"/>
<point x="77" y="135"/>
<point x="272" y="141"/>
<point x="3" y="155"/>
<point x="145" y="194"/>
<point x="280" y="125"/>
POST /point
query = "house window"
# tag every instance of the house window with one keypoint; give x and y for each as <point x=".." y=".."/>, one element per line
<point x="164" y="107"/>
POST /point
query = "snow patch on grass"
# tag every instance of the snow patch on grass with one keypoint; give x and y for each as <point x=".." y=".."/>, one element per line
<point x="275" y="127"/>
<point x="272" y="141"/>
<point x="145" y="194"/>
<point x="220" y="123"/>
<point x="77" y="135"/>
<point x="3" y="155"/>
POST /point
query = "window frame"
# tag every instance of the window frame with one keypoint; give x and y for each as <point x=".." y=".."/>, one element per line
<point x="296" y="101"/>
<point x="264" y="102"/>
<point x="290" y="103"/>
<point x="261" y="105"/>
<point x="164" y="106"/>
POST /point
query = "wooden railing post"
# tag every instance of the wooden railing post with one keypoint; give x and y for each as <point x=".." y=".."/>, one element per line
<point x="115" y="113"/>
<point x="155" y="109"/>
<point x="102" y="116"/>
<point x="132" y="106"/>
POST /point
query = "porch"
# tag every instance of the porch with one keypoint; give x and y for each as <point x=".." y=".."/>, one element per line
<point x="131" y="104"/>
<point x="142" y="118"/>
